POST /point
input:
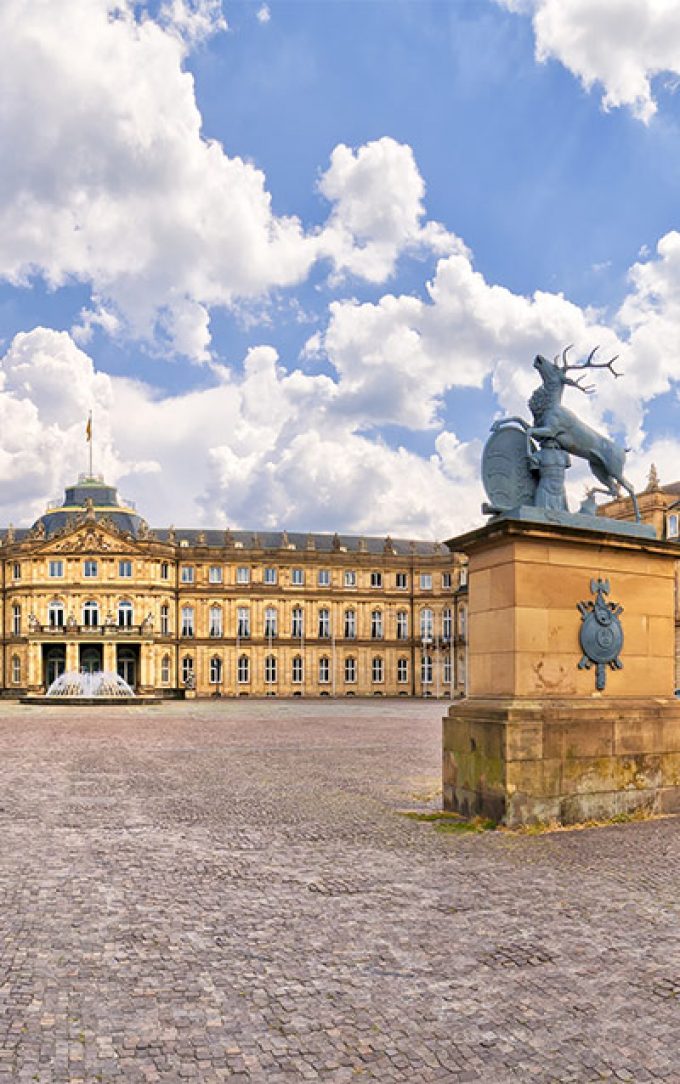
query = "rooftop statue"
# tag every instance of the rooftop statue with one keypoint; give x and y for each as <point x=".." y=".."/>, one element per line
<point x="525" y="464"/>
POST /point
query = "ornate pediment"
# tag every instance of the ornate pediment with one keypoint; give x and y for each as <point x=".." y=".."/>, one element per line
<point x="89" y="537"/>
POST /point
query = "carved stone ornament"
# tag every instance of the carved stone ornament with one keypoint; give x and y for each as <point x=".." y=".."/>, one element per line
<point x="88" y="541"/>
<point x="601" y="634"/>
<point x="506" y="471"/>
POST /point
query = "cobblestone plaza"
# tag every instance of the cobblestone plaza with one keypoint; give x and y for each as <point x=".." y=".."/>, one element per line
<point x="230" y="891"/>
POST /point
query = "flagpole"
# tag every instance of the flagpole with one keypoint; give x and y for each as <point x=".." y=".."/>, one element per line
<point x="89" y="439"/>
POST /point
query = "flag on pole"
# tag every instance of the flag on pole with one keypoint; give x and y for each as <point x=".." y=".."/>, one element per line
<point x="88" y="429"/>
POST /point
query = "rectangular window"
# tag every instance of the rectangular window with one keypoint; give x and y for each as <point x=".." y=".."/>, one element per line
<point x="446" y="581"/>
<point x="16" y="620"/>
<point x="215" y="621"/>
<point x="270" y="622"/>
<point x="215" y="574"/>
<point x="243" y="575"/>
<point x="462" y="621"/>
<point x="324" y="671"/>
<point x="298" y="622"/>
<point x="350" y="624"/>
<point x="270" y="669"/>
<point x="187" y="574"/>
<point x="426" y="670"/>
<point x="402" y="671"/>
<point x="165" y="620"/>
<point x="426" y="624"/>
<point x="402" y="625"/>
<point x="377" y="671"/>
<point x="243" y="621"/>
<point x="425" y="581"/>
<point x="90" y="569"/>
<point x="324" y="577"/>
<point x="165" y="570"/>
<point x="376" y="579"/>
<point x="350" y="670"/>
<point x="350" y="578"/>
<point x="463" y="577"/>
<point x="16" y="571"/>
<point x="16" y="669"/>
<point x="125" y="569"/>
<point x="402" y="580"/>
<point x="297" y="670"/>
<point x="56" y="569"/>
<point x="187" y="621"/>
<point x="447" y="624"/>
<point x="165" y="670"/>
<point x="187" y="670"/>
<point x="215" y="671"/>
<point x="324" y="624"/>
<point x="376" y="625"/>
<point x="269" y="576"/>
<point x="447" y="669"/>
<point x="297" y="577"/>
<point x="243" y="670"/>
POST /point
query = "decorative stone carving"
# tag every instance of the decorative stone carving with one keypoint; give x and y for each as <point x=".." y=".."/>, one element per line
<point x="601" y="634"/>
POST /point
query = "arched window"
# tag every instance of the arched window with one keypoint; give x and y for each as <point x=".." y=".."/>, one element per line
<point x="426" y="670"/>
<point x="297" y="627"/>
<point x="91" y="614"/>
<point x="298" y="670"/>
<point x="426" y="624"/>
<point x="377" y="669"/>
<point x="270" y="669"/>
<point x="215" y="628"/>
<point x="55" y="614"/>
<point x="376" y="625"/>
<point x="187" y="621"/>
<point x="324" y="623"/>
<point x="402" y="671"/>
<point x="165" y="670"/>
<point x="243" y="622"/>
<point x="243" y="670"/>
<point x="216" y="670"/>
<point x="350" y="624"/>
<point x="187" y="670"/>
<point x="124" y="614"/>
<point x="270" y="621"/>
<point x="324" y="670"/>
<point x="350" y="670"/>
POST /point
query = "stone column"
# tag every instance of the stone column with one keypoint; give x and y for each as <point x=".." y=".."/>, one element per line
<point x="72" y="660"/>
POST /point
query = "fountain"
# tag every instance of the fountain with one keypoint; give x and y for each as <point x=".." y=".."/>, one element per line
<point x="90" y="685"/>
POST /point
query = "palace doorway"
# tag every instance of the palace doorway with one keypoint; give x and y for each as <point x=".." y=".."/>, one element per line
<point x="54" y="662"/>
<point x="90" y="658"/>
<point x="127" y="664"/>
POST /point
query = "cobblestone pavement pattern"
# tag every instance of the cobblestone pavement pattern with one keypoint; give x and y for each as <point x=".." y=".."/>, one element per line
<point x="227" y="891"/>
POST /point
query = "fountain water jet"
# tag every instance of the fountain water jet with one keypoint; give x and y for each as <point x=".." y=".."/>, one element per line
<point x="90" y="686"/>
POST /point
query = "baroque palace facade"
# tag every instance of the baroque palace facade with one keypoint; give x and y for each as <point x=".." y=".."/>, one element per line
<point x="90" y="586"/>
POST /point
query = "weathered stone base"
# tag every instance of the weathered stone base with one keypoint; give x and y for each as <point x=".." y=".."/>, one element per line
<point x="521" y="761"/>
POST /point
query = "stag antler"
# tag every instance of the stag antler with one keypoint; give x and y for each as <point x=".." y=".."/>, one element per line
<point x="565" y="367"/>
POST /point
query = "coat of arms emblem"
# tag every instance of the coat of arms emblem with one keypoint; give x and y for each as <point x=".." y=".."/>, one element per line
<point x="601" y="634"/>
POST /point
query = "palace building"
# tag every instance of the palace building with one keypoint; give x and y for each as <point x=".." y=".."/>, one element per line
<point x="90" y="586"/>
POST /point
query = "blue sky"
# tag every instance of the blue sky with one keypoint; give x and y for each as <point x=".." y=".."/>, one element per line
<point x="296" y="287"/>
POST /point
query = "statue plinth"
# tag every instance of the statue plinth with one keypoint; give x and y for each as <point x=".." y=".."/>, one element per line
<point x="536" y="739"/>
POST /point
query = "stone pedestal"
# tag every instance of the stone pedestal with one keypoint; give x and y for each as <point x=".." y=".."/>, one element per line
<point x="534" y="740"/>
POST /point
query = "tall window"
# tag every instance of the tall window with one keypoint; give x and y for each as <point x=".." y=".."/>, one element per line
<point x="462" y="620"/>
<point x="426" y="670"/>
<point x="672" y="525"/>
<point x="243" y="670"/>
<point x="402" y="580"/>
<point x="402" y="624"/>
<point x="16" y="571"/>
<point x="188" y="574"/>
<point x="187" y="669"/>
<point x="350" y="670"/>
<point x="270" y="621"/>
<point x="90" y="569"/>
<point x="269" y="576"/>
<point x="447" y="624"/>
<point x="446" y="581"/>
<point x="165" y="570"/>
<point x="16" y="619"/>
<point x="215" y="627"/>
<point x="447" y="669"/>
<point x="425" y="581"/>
<point x="298" y="670"/>
<point x="402" y="671"/>
<point x="55" y="614"/>
<point x="165" y="670"/>
<point x="297" y="627"/>
<point x="187" y="621"/>
<point x="463" y="577"/>
<point x="377" y="669"/>
<point x="124" y="614"/>
<point x="324" y="577"/>
<point x="16" y="669"/>
<point x="243" y="622"/>
<point x="350" y="578"/>
<point x="91" y="614"/>
<point x="376" y="625"/>
<point x="324" y="623"/>
<point x="215" y="574"/>
<point x="56" y="569"/>
<point x="165" y="620"/>
<point x="216" y="670"/>
<point x="243" y="576"/>
<point x="350" y="624"/>
<point x="125" y="569"/>
<point x="297" y="577"/>
<point x="324" y="670"/>
<point x="270" y="669"/>
<point x="376" y="579"/>
<point x="426" y="624"/>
